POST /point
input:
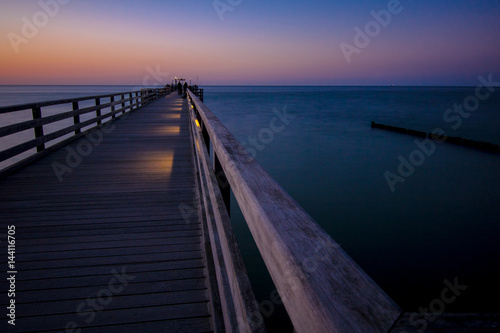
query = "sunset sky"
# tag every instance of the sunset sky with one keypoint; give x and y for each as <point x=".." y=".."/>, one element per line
<point x="439" y="42"/>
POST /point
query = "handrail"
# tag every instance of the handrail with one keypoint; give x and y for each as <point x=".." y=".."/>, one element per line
<point x="20" y="107"/>
<point x="126" y="102"/>
<point x="322" y="288"/>
<point x="240" y="312"/>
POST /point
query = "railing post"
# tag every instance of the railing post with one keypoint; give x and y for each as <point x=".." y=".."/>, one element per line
<point x="112" y="100"/>
<point x="131" y="101"/>
<point x="144" y="100"/>
<point x="37" y="114"/>
<point x="223" y="183"/>
<point x="76" y="117"/>
<point x="204" y="132"/>
<point x="98" y="109"/>
<point x="123" y="103"/>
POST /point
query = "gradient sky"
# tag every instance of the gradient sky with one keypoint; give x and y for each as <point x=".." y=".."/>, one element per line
<point x="430" y="42"/>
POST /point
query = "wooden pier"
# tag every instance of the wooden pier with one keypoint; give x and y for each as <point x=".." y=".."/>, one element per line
<point x="123" y="227"/>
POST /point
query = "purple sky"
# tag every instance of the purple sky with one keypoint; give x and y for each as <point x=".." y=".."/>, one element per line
<point x="439" y="42"/>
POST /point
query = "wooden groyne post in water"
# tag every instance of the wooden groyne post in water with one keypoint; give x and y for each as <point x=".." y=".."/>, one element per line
<point x="485" y="146"/>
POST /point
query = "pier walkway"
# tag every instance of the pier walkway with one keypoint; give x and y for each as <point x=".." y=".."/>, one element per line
<point x="100" y="240"/>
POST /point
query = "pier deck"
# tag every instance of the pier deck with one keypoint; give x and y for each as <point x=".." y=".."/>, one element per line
<point x="101" y="243"/>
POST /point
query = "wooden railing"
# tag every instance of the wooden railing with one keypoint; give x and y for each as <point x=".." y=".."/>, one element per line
<point x="322" y="288"/>
<point x="240" y="312"/>
<point x="118" y="104"/>
<point x="198" y="92"/>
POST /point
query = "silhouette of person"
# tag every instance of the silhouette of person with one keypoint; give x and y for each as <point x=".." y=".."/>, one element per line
<point x="185" y="87"/>
<point x="179" y="88"/>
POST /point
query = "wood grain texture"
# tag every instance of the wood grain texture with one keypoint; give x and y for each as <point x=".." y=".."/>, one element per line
<point x="239" y="306"/>
<point x="322" y="288"/>
<point x="116" y="214"/>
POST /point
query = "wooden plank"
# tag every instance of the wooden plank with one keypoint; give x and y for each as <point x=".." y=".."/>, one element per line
<point x="178" y="325"/>
<point x="116" y="317"/>
<point x="131" y="289"/>
<point x="108" y="238"/>
<point x="110" y="222"/>
<point x="105" y="260"/>
<point x="103" y="280"/>
<point x="96" y="253"/>
<point x="123" y="302"/>
<point x="98" y="270"/>
<point x="106" y="244"/>
<point x="136" y="229"/>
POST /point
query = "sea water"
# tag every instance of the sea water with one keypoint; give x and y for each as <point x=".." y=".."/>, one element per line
<point x="441" y="223"/>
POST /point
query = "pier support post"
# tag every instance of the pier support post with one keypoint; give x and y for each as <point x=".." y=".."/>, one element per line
<point x="37" y="114"/>
<point x="76" y="117"/>
<point x="112" y="100"/>
<point x="206" y="136"/>
<point x="123" y="103"/>
<point x="98" y="109"/>
<point x="223" y="183"/>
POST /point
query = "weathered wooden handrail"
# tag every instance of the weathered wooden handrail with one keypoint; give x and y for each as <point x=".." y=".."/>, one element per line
<point x="240" y="312"/>
<point x="128" y="101"/>
<point x="322" y="288"/>
<point x="198" y="92"/>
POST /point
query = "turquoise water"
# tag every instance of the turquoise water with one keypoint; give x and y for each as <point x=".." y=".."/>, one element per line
<point x="441" y="223"/>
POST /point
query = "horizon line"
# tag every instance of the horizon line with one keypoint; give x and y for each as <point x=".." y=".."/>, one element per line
<point x="229" y="85"/>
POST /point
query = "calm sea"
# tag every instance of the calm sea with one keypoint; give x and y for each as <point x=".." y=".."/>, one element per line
<point x="441" y="223"/>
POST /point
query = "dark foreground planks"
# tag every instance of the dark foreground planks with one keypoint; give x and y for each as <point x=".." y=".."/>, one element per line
<point x="107" y="248"/>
